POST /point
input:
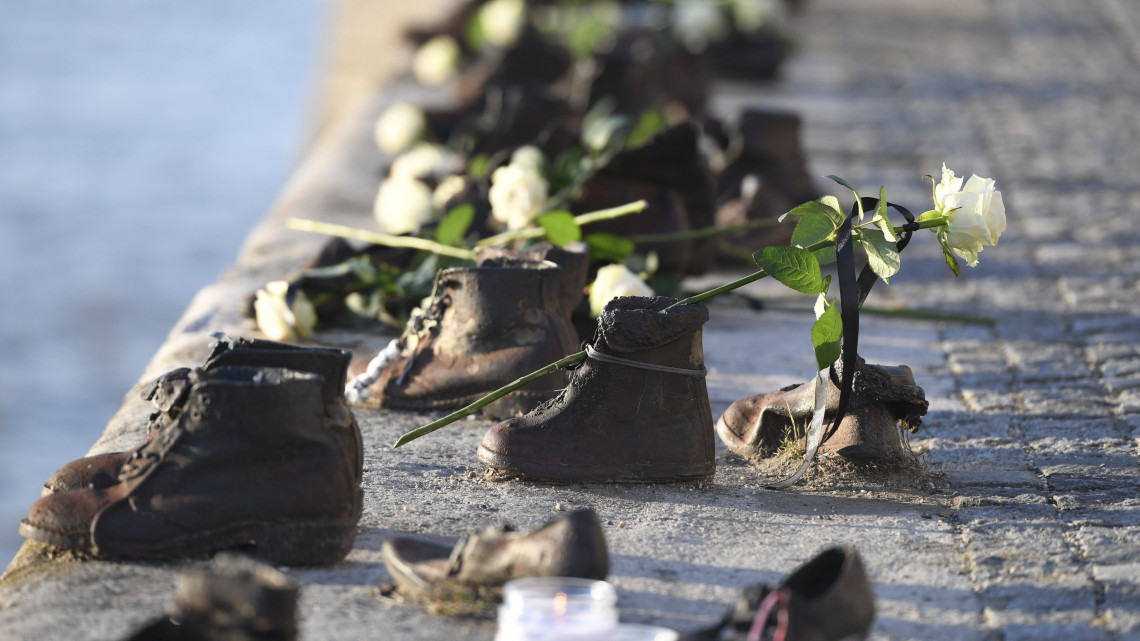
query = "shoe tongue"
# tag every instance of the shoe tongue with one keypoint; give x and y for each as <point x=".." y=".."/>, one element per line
<point x="634" y="323"/>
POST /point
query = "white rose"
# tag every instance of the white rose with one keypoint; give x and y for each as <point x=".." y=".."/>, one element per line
<point x="423" y="160"/>
<point x="517" y="195"/>
<point x="447" y="189"/>
<point x="398" y="127"/>
<point x="403" y="205"/>
<point x="528" y="156"/>
<point x="976" y="213"/>
<point x="613" y="281"/>
<point x="279" y="320"/>
<point x="750" y="15"/>
<point x="502" y="21"/>
<point x="436" y="60"/>
<point x="698" y="22"/>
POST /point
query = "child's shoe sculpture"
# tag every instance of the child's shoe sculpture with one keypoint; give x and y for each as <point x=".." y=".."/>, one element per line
<point x="168" y="393"/>
<point x="829" y="598"/>
<point x="233" y="599"/>
<point x="485" y="327"/>
<point x="883" y="400"/>
<point x="249" y="462"/>
<point x="636" y="409"/>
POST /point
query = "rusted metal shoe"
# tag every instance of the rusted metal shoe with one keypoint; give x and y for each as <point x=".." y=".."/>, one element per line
<point x="249" y="462"/>
<point x="829" y="598"/>
<point x="234" y="598"/>
<point x="168" y="393"/>
<point x="636" y="409"/>
<point x="485" y="327"/>
<point x="884" y="399"/>
<point x="574" y="260"/>
<point x="478" y="565"/>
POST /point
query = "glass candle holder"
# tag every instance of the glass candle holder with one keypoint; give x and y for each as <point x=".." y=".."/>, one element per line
<point x="557" y="609"/>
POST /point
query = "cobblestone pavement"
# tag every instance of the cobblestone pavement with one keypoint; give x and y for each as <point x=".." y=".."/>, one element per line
<point x="1040" y="445"/>
<point x="1033" y="420"/>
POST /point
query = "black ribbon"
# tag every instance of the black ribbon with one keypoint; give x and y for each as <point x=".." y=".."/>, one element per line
<point x="852" y="292"/>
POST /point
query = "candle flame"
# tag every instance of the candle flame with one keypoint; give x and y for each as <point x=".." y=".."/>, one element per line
<point x="560" y="604"/>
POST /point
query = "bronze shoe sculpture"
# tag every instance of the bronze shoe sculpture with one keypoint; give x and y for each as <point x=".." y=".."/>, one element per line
<point x="249" y="462"/>
<point x="168" y="393"/>
<point x="829" y="598"/>
<point x="636" y="409"/>
<point x="478" y="565"/>
<point x="485" y="327"/>
<point x="234" y="598"/>
<point x="883" y="400"/>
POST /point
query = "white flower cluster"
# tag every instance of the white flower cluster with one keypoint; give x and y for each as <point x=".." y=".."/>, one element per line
<point x="518" y="190"/>
<point x="976" y="213"/>
<point x="405" y="203"/>
<point x="436" y="61"/>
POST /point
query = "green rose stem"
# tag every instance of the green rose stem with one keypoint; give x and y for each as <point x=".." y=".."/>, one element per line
<point x="415" y="242"/>
<point x="704" y="232"/>
<point x="635" y="207"/>
<point x="579" y="356"/>
<point x="376" y="238"/>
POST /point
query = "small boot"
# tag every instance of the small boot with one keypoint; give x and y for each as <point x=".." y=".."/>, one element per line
<point x="829" y="598"/>
<point x="637" y="408"/>
<point x="573" y="545"/>
<point x="486" y="326"/>
<point x="233" y="599"/>
<point x="248" y="462"/>
<point x="883" y="400"/>
<point x="168" y="392"/>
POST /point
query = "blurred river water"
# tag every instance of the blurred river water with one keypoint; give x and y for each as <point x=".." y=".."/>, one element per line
<point x="139" y="143"/>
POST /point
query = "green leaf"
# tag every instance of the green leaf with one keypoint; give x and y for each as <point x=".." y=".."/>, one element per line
<point x="927" y="215"/>
<point x="473" y="33"/>
<point x="825" y="335"/>
<point x="821" y="207"/>
<point x="608" y="248"/>
<point x="814" y="228"/>
<point x="651" y="121"/>
<point x="479" y="166"/>
<point x="795" y="267"/>
<point x="882" y="255"/>
<point x="951" y="259"/>
<point x="565" y="169"/>
<point x="880" y="219"/>
<point x="454" y="226"/>
<point x="844" y="183"/>
<point x="560" y="227"/>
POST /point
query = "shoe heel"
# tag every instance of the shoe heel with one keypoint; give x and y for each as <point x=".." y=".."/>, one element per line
<point x="314" y="543"/>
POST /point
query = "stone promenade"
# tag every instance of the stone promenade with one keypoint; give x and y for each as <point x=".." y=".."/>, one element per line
<point x="1028" y="526"/>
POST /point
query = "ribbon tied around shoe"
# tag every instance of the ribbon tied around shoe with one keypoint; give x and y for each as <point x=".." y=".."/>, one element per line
<point x="852" y="292"/>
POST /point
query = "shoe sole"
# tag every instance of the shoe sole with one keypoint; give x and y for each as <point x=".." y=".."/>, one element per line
<point x="554" y="472"/>
<point x="291" y="543"/>
<point x="294" y="544"/>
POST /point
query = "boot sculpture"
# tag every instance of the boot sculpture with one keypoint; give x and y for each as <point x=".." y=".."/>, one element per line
<point x="636" y="409"/>
<point x="234" y="599"/>
<point x="249" y="462"/>
<point x="829" y="598"/>
<point x="883" y="400"/>
<point x="168" y="393"/>
<point x="485" y="327"/>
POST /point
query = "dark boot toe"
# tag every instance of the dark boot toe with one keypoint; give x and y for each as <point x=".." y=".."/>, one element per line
<point x="98" y="471"/>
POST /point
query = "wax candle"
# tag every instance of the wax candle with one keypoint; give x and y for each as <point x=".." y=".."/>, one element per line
<point x="557" y="609"/>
